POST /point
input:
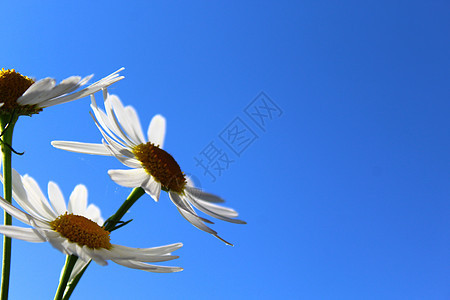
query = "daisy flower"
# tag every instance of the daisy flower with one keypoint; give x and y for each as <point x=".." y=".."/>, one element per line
<point x="153" y="169"/>
<point x="22" y="95"/>
<point x="75" y="229"/>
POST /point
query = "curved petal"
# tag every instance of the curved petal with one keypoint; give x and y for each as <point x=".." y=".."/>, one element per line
<point x="91" y="89"/>
<point x="185" y="206"/>
<point x="93" y="213"/>
<point x="152" y="187"/>
<point x="57" y="242"/>
<point x="20" y="215"/>
<point x="135" y="123"/>
<point x="131" y="126"/>
<point x="145" y="255"/>
<point x="122" y="154"/>
<point x="146" y="267"/>
<point x="79" y="266"/>
<point x="19" y="192"/>
<point x="36" y="199"/>
<point x="192" y="217"/>
<point x="129" y="178"/>
<point x="24" y="234"/>
<point x="94" y="255"/>
<point x="214" y="211"/>
<point x="114" y="124"/>
<point x="199" y="194"/>
<point x="161" y="250"/>
<point x="157" y="130"/>
<point x="78" y="147"/>
<point x="56" y="198"/>
<point x="37" y="92"/>
<point x="78" y="200"/>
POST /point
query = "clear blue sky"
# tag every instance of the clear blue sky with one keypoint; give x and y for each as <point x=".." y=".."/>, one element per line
<point x="345" y="188"/>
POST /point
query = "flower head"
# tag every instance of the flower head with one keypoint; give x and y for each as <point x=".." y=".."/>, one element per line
<point x="75" y="229"/>
<point x="153" y="169"/>
<point x="22" y="95"/>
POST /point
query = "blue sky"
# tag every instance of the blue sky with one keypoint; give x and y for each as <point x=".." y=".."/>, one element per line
<point x="345" y="186"/>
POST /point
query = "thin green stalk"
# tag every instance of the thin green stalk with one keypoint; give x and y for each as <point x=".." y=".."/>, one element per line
<point x="7" y="126"/>
<point x="111" y="224"/>
<point x="71" y="285"/>
<point x="68" y="267"/>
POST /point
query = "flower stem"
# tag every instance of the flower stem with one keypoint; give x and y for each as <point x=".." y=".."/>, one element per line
<point x="109" y="225"/>
<point x="72" y="284"/>
<point x="7" y="125"/>
<point x="65" y="275"/>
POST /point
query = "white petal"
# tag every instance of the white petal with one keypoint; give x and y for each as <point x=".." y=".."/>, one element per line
<point x="21" y="197"/>
<point x="152" y="187"/>
<point x="88" y="148"/>
<point x="58" y="242"/>
<point x="93" y="88"/>
<point x="20" y="215"/>
<point x="221" y="210"/>
<point x="214" y="211"/>
<point x="19" y="193"/>
<point x="79" y="266"/>
<point x="122" y="252"/>
<point x="93" y="213"/>
<point x="146" y="267"/>
<point x="68" y="85"/>
<point x="130" y="128"/>
<point x="24" y="234"/>
<point x="161" y="250"/>
<point x="129" y="178"/>
<point x="135" y="123"/>
<point x="184" y="205"/>
<point x="114" y="123"/>
<point x="36" y="199"/>
<point x="78" y="200"/>
<point x="56" y="198"/>
<point x="37" y="92"/>
<point x="193" y="218"/>
<point x="199" y="194"/>
<point x="93" y="254"/>
<point x="121" y="153"/>
<point x="101" y="120"/>
<point x="157" y="130"/>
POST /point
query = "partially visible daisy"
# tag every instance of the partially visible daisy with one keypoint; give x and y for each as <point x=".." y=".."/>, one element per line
<point x="22" y="95"/>
<point x="153" y="168"/>
<point x="75" y="229"/>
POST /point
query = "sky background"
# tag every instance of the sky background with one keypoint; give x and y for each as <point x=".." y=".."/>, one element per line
<point x="345" y="187"/>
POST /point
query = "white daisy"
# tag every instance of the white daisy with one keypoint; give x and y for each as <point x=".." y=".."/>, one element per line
<point x="75" y="229"/>
<point x="153" y="168"/>
<point x="23" y="96"/>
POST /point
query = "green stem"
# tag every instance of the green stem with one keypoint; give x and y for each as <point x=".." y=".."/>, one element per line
<point x="71" y="286"/>
<point x="7" y="125"/>
<point x="112" y="221"/>
<point x="109" y="225"/>
<point x="68" y="267"/>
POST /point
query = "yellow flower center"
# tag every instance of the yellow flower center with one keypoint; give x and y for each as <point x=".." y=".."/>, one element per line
<point x="12" y="86"/>
<point x="82" y="231"/>
<point x="162" y="166"/>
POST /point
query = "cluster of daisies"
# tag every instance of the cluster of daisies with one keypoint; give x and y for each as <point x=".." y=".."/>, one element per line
<point x="77" y="228"/>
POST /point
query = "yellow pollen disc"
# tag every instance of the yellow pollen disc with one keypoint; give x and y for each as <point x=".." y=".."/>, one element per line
<point x="162" y="166"/>
<point x="82" y="231"/>
<point x="12" y="86"/>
